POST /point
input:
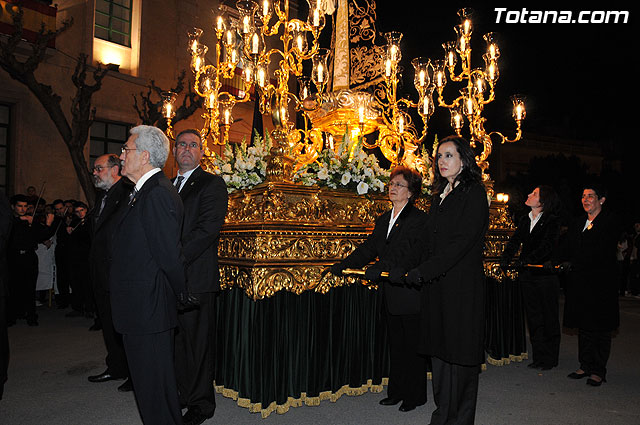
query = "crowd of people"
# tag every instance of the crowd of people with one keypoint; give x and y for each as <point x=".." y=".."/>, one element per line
<point x="142" y="262"/>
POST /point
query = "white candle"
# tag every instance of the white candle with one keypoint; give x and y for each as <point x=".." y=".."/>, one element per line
<point x="387" y="68"/>
<point x="421" y="78"/>
<point x="254" y="43"/>
<point x="316" y="18"/>
<point x="245" y="24"/>
<point x="320" y="73"/>
<point x="265" y="8"/>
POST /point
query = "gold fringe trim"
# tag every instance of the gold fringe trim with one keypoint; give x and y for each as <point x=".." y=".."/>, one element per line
<point x="505" y="361"/>
<point x="297" y="402"/>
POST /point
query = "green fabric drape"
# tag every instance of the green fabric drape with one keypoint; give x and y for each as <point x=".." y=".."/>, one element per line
<point x="281" y="350"/>
<point x="505" y="332"/>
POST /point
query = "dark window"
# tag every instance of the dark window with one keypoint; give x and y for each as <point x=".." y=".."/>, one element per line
<point x="113" y="21"/>
<point x="5" y="121"/>
<point x="107" y="137"/>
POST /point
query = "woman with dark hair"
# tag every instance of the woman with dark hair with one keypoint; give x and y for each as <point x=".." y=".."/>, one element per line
<point x="591" y="297"/>
<point x="452" y="279"/>
<point x="538" y="234"/>
<point x="408" y="373"/>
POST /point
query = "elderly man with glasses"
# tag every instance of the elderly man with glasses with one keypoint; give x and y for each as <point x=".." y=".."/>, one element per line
<point x="147" y="275"/>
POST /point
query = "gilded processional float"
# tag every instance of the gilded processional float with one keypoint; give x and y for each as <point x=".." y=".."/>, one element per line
<point x="306" y="194"/>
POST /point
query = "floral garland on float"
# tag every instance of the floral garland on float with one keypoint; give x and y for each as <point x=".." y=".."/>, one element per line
<point x="242" y="167"/>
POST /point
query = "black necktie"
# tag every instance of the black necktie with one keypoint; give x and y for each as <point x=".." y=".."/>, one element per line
<point x="132" y="195"/>
<point x="179" y="180"/>
<point x="102" y="204"/>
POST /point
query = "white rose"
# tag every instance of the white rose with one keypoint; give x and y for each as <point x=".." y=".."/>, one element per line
<point x="362" y="188"/>
<point x="226" y="168"/>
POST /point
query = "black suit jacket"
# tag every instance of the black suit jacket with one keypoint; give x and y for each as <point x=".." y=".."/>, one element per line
<point x="102" y="228"/>
<point x="539" y="245"/>
<point x="591" y="300"/>
<point x="391" y="253"/>
<point x="205" y="198"/>
<point x="147" y="267"/>
<point x="453" y="300"/>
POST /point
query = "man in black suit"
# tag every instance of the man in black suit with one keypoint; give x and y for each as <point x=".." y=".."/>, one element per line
<point x="6" y="220"/>
<point x="205" y="198"/>
<point x="115" y="193"/>
<point x="147" y="278"/>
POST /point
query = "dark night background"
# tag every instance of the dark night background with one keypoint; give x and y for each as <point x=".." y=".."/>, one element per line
<point x="578" y="80"/>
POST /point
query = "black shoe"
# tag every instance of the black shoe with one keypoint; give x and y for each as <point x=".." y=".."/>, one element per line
<point x="95" y="327"/>
<point x="390" y="401"/>
<point x="104" y="377"/>
<point x="575" y="375"/>
<point x="126" y="387"/>
<point x="595" y="383"/>
<point x="406" y="407"/>
<point x="194" y="416"/>
<point x="74" y="313"/>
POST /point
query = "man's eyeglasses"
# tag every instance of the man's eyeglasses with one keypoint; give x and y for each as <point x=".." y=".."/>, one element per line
<point x="125" y="149"/>
<point x="394" y="184"/>
<point x="99" y="168"/>
<point x="185" y="145"/>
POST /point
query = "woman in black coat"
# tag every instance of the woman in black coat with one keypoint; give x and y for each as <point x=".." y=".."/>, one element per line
<point x="408" y="373"/>
<point x="452" y="279"/>
<point x="591" y="298"/>
<point x="538" y="234"/>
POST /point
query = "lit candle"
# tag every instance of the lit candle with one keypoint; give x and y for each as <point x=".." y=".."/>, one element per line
<point x="330" y="140"/>
<point x="440" y="79"/>
<point x="401" y="124"/>
<point x="519" y="112"/>
<point x="469" y="106"/>
<point x="220" y="24"/>
<point x="254" y="43"/>
<point x="194" y="47"/>
<point x="299" y="42"/>
<point x="425" y="106"/>
<point x="394" y="52"/>
<point x="261" y="77"/>
<point x="212" y="100"/>
<point x="234" y="56"/>
<point x="463" y="43"/>
<point x="421" y="78"/>
<point x="361" y="114"/>
<point x="316" y="18"/>
<point x="245" y="24"/>
<point x="229" y="37"/>
<point x="197" y="63"/>
<point x="265" y="8"/>
<point x="492" y="72"/>
<point x="451" y="59"/>
<point x="387" y="68"/>
<point x="467" y="26"/>
<point x="168" y="111"/>
<point x="320" y="73"/>
<point x="226" y="117"/>
<point x="492" y="51"/>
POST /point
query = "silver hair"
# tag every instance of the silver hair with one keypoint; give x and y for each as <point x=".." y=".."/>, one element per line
<point x="152" y="140"/>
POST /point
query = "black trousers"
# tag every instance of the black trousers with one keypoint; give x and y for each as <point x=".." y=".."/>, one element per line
<point x="594" y="348"/>
<point x="23" y="276"/>
<point x="408" y="369"/>
<point x="150" y="358"/>
<point x="455" y="392"/>
<point x="81" y="298"/>
<point x="116" y="359"/>
<point x="195" y="355"/>
<point x="540" y="296"/>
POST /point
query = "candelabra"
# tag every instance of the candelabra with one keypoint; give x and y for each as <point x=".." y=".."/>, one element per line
<point x="218" y="103"/>
<point x="478" y="88"/>
<point x="275" y="95"/>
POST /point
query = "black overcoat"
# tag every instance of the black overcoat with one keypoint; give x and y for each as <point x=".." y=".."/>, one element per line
<point x="147" y="266"/>
<point x="452" y="314"/>
<point x="591" y="300"/>
<point x="538" y="245"/>
<point x="390" y="252"/>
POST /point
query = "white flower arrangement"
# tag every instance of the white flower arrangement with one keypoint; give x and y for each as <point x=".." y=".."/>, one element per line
<point x="350" y="168"/>
<point x="242" y="166"/>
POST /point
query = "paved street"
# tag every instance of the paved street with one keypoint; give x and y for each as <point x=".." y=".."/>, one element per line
<point x="50" y="364"/>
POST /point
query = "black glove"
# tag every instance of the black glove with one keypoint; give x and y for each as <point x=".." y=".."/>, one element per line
<point x="397" y="276"/>
<point x="518" y="265"/>
<point x="336" y="269"/>
<point x="187" y="302"/>
<point x="414" y="278"/>
<point x="372" y="273"/>
<point x="548" y="266"/>
<point x="564" y="267"/>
